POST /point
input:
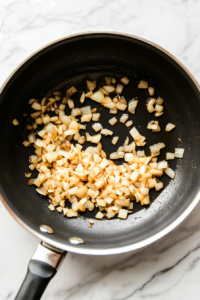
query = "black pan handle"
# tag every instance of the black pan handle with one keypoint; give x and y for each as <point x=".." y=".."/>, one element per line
<point x="42" y="267"/>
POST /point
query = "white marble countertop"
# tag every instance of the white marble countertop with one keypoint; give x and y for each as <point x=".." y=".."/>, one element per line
<point x="168" y="269"/>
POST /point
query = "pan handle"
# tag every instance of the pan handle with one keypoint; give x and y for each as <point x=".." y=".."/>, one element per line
<point x="42" y="267"/>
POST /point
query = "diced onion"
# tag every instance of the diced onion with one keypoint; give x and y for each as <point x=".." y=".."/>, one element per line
<point x="15" y="122"/>
<point x="129" y="123"/>
<point x="179" y="152"/>
<point x="97" y="126"/>
<point x="159" y="101"/>
<point x="151" y="91"/>
<point x="141" y="153"/>
<point x="114" y="155"/>
<point x="95" y="117"/>
<point x="158" y="114"/>
<point x="86" y="118"/>
<point x="134" y="133"/>
<point x="91" y="85"/>
<point x="169" y="156"/>
<point x="86" y="110"/>
<point x="109" y="89"/>
<point x="115" y="140"/>
<point x="36" y="106"/>
<point x="150" y="105"/>
<point x="113" y="111"/>
<point x="132" y="106"/>
<point x="31" y="138"/>
<point x="123" y="213"/>
<point x="170" y="172"/>
<point x="124" y="118"/>
<point x="82" y="99"/>
<point x="70" y="103"/>
<point x="98" y="97"/>
<point x="159" y="108"/>
<point x="113" y="121"/>
<point x="106" y="132"/>
<point x="93" y="139"/>
<point x="143" y="84"/>
<point x="125" y="80"/>
<point x="162" y="165"/>
<point x="169" y="127"/>
<point x="119" y="88"/>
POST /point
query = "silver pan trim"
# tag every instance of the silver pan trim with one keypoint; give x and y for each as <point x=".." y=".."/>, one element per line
<point x="115" y="250"/>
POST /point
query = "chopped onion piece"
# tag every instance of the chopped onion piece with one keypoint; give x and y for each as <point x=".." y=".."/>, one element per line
<point x="113" y="111"/>
<point x="71" y="91"/>
<point x="113" y="121"/>
<point x="82" y="99"/>
<point x="143" y="84"/>
<point x="169" y="127"/>
<point x="121" y="106"/>
<point x="151" y="91"/>
<point x="159" y="186"/>
<point x="104" y="92"/>
<point x="120" y="154"/>
<point x="157" y="147"/>
<point x="75" y="112"/>
<point x="170" y="172"/>
<point x="123" y="213"/>
<point x="35" y="114"/>
<point x="99" y="215"/>
<point x="115" y="140"/>
<point x="124" y="118"/>
<point x="86" y="110"/>
<point x="31" y="138"/>
<point x="106" y="132"/>
<point x="132" y="106"/>
<point x="28" y="175"/>
<point x="150" y="105"/>
<point x="93" y="139"/>
<point x="98" y="97"/>
<point x="89" y="94"/>
<point x="126" y="141"/>
<point x="169" y="156"/>
<point x="153" y="125"/>
<point x="86" y="118"/>
<point x="91" y="85"/>
<point x="109" y="89"/>
<point x="119" y="88"/>
<point x="141" y="153"/>
<point x="36" y="106"/>
<point x="26" y="143"/>
<point x="114" y="155"/>
<point x="129" y="157"/>
<point x="125" y="80"/>
<point x="159" y="101"/>
<point x="15" y="122"/>
<point x="97" y="126"/>
<point x="162" y="164"/>
<point x="158" y="114"/>
<point x="65" y="119"/>
<point x="159" y="108"/>
<point x="179" y="152"/>
<point x="129" y="123"/>
<point x="95" y="117"/>
<point x="134" y="133"/>
<point x="81" y="140"/>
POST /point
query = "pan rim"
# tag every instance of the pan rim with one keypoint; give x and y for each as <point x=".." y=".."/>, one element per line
<point x="114" y="250"/>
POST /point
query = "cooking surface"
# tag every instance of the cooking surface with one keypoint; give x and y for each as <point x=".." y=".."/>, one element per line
<point x="164" y="268"/>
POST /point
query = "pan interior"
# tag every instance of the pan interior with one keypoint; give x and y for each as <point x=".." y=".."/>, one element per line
<point x="72" y="61"/>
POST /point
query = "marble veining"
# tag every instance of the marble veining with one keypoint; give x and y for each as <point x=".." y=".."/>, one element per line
<point x="167" y="269"/>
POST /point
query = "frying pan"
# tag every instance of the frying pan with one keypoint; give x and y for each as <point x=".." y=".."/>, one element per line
<point x="69" y="61"/>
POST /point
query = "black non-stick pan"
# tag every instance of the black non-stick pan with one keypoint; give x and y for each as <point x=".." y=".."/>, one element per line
<point x="70" y="61"/>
